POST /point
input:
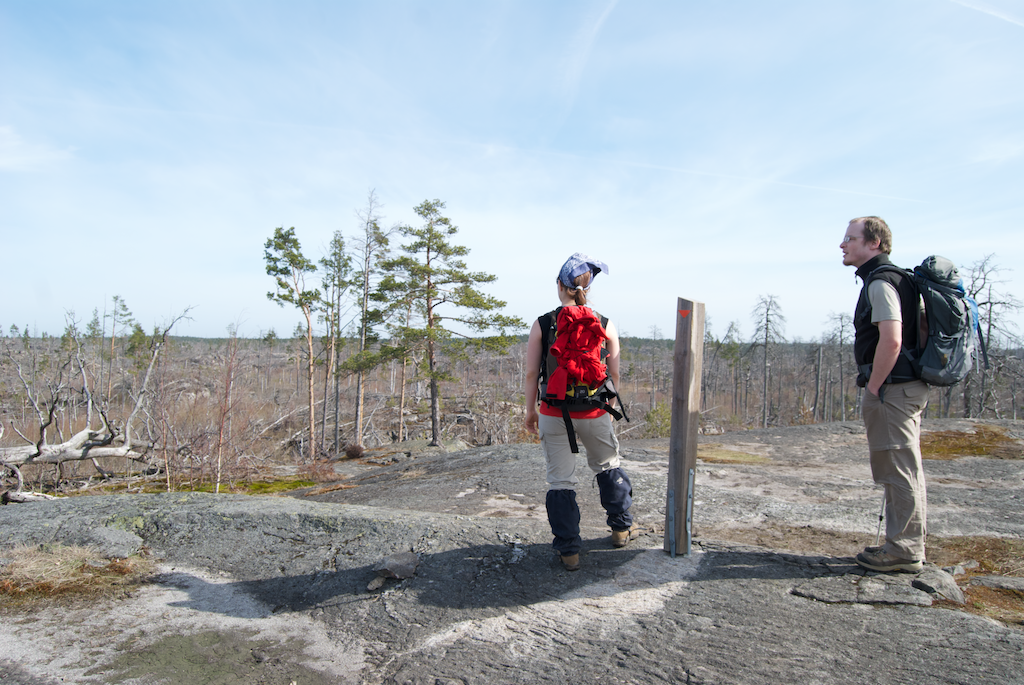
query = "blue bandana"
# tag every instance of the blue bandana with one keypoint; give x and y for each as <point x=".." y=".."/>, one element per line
<point x="577" y="265"/>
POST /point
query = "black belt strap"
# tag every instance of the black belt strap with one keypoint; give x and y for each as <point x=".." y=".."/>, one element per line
<point x="569" y="430"/>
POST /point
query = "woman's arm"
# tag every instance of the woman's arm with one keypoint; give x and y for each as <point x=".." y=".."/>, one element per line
<point x="533" y="352"/>
<point x="613" y="354"/>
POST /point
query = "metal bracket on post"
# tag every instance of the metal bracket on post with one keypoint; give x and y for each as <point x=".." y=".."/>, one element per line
<point x="672" y="523"/>
<point x="689" y="513"/>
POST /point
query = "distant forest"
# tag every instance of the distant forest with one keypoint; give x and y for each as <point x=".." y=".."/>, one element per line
<point x="235" y="409"/>
<point x="396" y="343"/>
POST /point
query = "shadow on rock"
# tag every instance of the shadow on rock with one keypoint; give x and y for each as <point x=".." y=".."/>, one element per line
<point x="487" y="576"/>
<point x="725" y="562"/>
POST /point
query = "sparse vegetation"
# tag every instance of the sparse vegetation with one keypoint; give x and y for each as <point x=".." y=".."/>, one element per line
<point x="60" y="572"/>
<point x="716" y="455"/>
<point x="994" y="556"/>
<point x="658" y="421"/>
<point x="984" y="441"/>
<point x="109" y="408"/>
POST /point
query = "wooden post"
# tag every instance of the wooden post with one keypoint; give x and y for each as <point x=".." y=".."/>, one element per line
<point x="688" y="360"/>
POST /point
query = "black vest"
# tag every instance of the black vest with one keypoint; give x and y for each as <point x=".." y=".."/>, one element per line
<point x="867" y="333"/>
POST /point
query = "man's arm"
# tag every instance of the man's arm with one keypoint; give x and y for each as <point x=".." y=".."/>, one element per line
<point x="887" y="352"/>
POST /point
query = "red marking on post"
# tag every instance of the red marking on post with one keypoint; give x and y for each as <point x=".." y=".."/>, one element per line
<point x="684" y="312"/>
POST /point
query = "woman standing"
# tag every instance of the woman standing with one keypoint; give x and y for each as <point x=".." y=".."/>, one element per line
<point x="593" y="425"/>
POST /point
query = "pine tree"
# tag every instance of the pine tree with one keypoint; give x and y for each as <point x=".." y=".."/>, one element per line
<point x="119" y="316"/>
<point x="337" y="266"/>
<point x="289" y="267"/>
<point x="432" y="280"/>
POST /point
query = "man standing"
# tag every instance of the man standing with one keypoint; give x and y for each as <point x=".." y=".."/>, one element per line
<point x="886" y="322"/>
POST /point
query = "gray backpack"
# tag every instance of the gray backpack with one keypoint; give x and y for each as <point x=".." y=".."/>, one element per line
<point x="945" y="356"/>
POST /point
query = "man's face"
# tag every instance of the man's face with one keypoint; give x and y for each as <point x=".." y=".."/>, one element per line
<point x="855" y="251"/>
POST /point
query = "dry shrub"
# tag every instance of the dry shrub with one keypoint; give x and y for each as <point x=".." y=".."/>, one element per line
<point x="319" y="472"/>
<point x="353" y="451"/>
<point x="60" y="571"/>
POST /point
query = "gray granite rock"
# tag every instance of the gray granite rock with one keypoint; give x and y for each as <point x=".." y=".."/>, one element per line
<point x="936" y="581"/>
<point x="1001" y="582"/>
<point x="400" y="565"/>
<point x="110" y="543"/>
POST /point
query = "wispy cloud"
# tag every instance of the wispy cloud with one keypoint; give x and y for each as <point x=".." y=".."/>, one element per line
<point x="590" y="162"/>
<point x="769" y="181"/>
<point x="985" y="8"/>
<point x="579" y="54"/>
<point x="582" y="45"/>
<point x="18" y="154"/>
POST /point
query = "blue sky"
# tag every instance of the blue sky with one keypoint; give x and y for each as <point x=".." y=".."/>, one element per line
<point x="711" y="151"/>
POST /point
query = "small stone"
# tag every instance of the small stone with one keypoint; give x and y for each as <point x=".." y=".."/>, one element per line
<point x="999" y="582"/>
<point x="401" y="565"/>
<point x="375" y="584"/>
<point x="935" y="581"/>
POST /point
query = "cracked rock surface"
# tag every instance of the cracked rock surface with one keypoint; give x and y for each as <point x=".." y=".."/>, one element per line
<point x="274" y="589"/>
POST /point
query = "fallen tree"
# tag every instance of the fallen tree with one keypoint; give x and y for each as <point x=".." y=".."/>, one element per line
<point x="91" y="443"/>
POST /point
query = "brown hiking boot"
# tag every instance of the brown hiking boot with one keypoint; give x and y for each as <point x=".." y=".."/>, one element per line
<point x="885" y="563"/>
<point x="570" y="561"/>
<point x="620" y="538"/>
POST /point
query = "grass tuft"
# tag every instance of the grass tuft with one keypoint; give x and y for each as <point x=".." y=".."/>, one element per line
<point x="984" y="441"/>
<point x="61" y="571"/>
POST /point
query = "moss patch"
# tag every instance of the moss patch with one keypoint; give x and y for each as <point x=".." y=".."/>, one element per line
<point x="225" y="657"/>
<point x="276" y="486"/>
<point x="983" y="441"/>
<point x="716" y="455"/>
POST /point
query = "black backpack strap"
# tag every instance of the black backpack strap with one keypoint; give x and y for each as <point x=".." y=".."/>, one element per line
<point x="984" y="347"/>
<point x="608" y="408"/>
<point x="569" y="430"/>
<point x="548" y="323"/>
<point x="607" y="392"/>
<point x="906" y="363"/>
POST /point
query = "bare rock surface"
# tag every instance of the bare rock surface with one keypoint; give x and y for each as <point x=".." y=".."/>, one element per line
<point x="274" y="589"/>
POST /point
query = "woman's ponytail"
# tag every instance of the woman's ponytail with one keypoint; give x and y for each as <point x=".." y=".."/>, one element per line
<point x="582" y="283"/>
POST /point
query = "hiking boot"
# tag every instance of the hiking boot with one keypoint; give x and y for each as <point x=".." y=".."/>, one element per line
<point x="873" y="549"/>
<point x="880" y="561"/>
<point x="620" y="538"/>
<point x="570" y="561"/>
